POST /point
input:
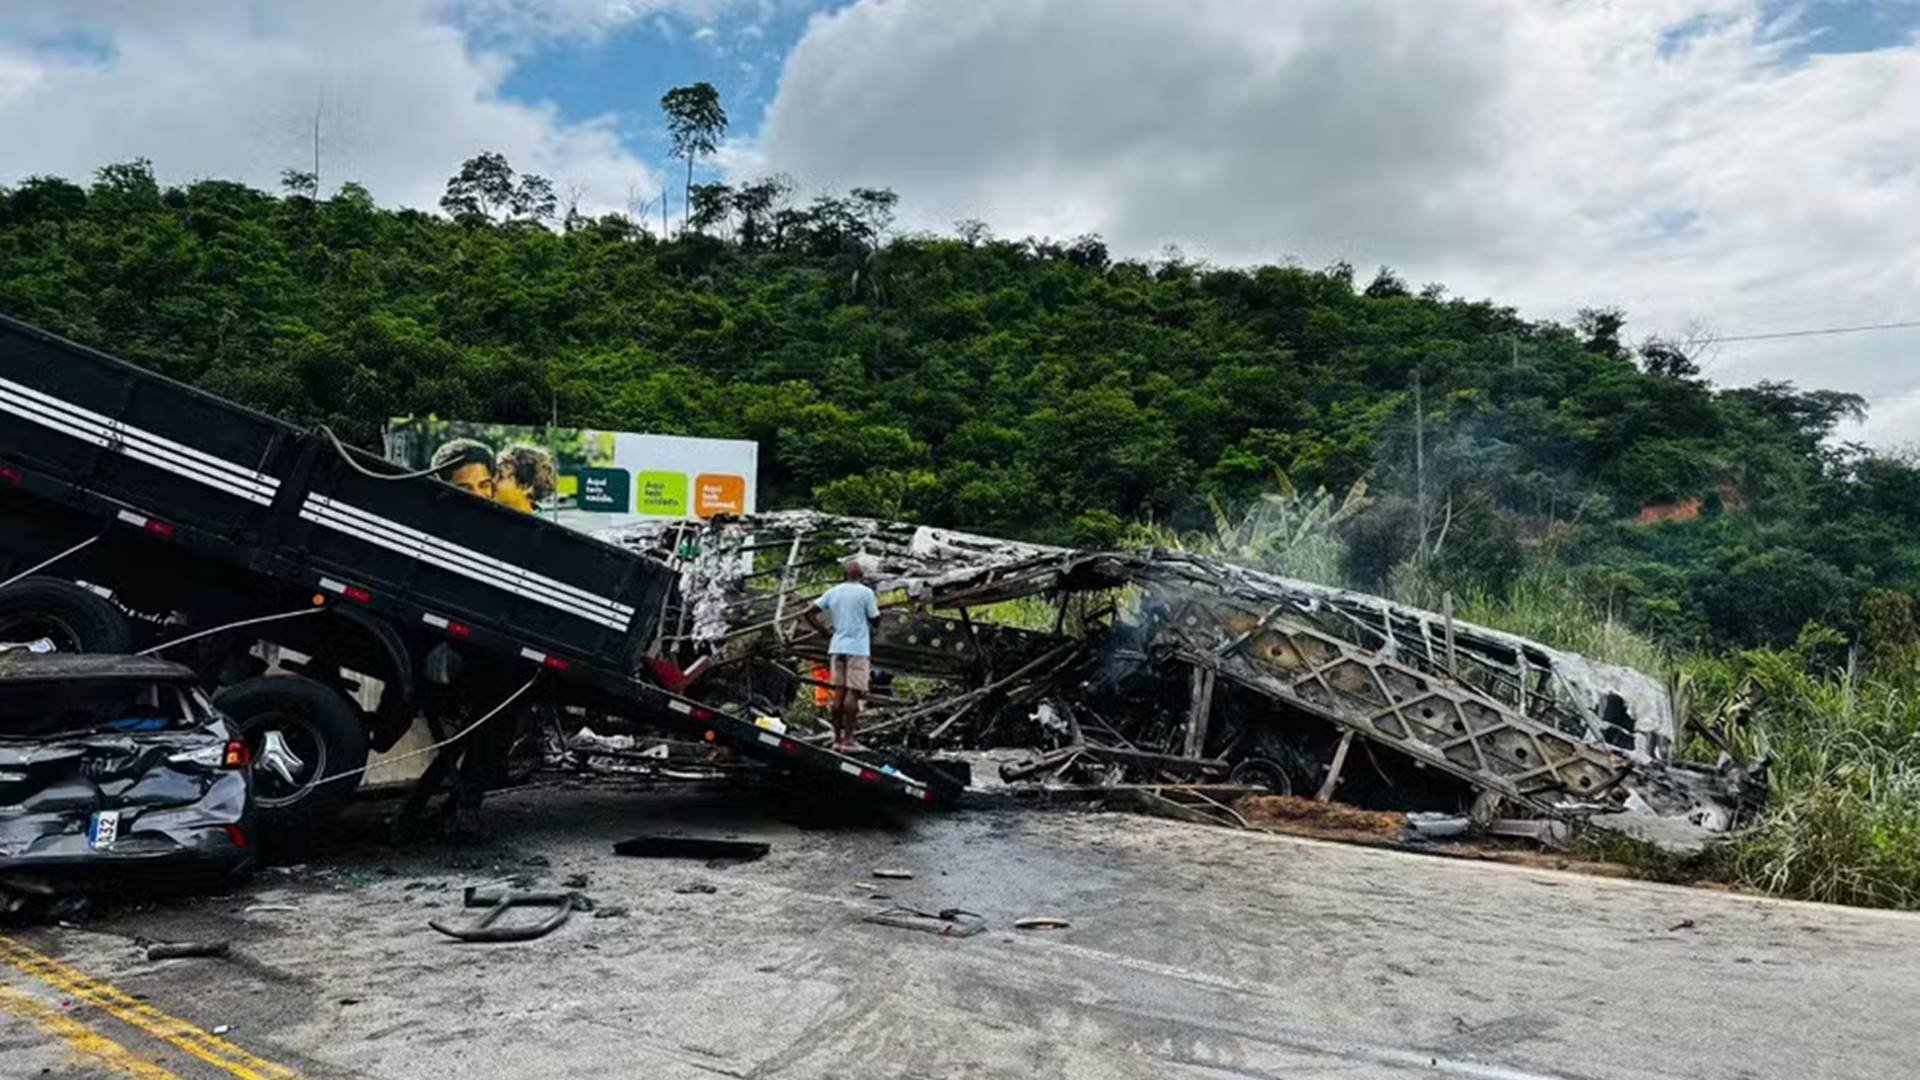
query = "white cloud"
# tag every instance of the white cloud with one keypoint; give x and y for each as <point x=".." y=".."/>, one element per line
<point x="1675" y="157"/>
<point x="229" y="89"/>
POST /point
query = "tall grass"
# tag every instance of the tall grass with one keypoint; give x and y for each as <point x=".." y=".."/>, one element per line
<point x="1281" y="532"/>
<point x="1843" y="746"/>
<point x="1547" y="605"/>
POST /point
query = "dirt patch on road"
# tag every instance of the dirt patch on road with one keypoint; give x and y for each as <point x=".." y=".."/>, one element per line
<point x="1324" y="820"/>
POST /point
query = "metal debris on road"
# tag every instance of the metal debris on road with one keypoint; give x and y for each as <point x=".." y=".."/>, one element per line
<point x="1041" y="922"/>
<point x="499" y="901"/>
<point x="947" y="922"/>
<point x="181" y="950"/>
<point x="692" y="847"/>
<point x="892" y="874"/>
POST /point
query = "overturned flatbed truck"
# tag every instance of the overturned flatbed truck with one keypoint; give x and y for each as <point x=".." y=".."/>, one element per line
<point x="136" y="512"/>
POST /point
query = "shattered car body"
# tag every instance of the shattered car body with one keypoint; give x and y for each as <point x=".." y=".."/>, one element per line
<point x="111" y="765"/>
<point x="1163" y="665"/>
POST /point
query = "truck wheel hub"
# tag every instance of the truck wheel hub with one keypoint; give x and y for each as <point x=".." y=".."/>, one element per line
<point x="278" y="758"/>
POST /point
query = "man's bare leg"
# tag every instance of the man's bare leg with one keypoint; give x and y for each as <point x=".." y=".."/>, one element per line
<point x="850" y="717"/>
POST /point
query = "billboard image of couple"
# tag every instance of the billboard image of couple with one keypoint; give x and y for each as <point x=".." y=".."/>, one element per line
<point x="584" y="479"/>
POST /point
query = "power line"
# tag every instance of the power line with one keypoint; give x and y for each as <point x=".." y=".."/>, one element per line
<point x="1710" y="339"/>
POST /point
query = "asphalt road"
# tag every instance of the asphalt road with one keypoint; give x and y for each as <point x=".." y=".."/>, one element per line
<point x="1193" y="952"/>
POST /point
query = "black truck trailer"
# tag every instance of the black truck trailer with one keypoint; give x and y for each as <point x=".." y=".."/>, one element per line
<point x="148" y="511"/>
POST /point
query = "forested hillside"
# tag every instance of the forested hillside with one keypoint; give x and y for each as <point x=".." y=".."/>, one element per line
<point x="1030" y="388"/>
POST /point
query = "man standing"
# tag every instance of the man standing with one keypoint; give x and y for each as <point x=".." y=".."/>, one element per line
<point x="853" y="609"/>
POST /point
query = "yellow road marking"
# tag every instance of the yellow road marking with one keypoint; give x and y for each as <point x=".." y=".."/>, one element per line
<point x="172" y="1030"/>
<point x="79" y="1036"/>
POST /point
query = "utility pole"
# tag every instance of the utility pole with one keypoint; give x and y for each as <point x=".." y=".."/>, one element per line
<point x="1420" y="462"/>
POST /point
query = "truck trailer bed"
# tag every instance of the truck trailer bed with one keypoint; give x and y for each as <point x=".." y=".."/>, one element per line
<point x="230" y="491"/>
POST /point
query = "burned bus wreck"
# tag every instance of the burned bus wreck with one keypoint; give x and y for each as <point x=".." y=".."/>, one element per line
<point x="1158" y="667"/>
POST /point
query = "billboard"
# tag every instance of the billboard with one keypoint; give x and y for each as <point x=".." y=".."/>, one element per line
<point x="581" y="478"/>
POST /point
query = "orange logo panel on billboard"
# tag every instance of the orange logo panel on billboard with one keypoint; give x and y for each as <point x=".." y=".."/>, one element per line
<point x="719" y="493"/>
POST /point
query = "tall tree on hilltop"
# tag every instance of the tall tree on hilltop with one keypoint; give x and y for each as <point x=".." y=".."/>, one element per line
<point x="695" y="122"/>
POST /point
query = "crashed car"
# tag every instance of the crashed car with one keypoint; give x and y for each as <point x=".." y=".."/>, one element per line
<point x="112" y="766"/>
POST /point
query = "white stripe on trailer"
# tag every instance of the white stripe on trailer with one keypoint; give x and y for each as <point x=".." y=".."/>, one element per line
<point x="435" y="621"/>
<point x="137" y="443"/>
<point x="448" y="548"/>
<point x="108" y="439"/>
<point x="112" y="440"/>
<point x="534" y="655"/>
<point x="138" y="521"/>
<point x="414" y="550"/>
<point x="680" y="706"/>
<point x="331" y="585"/>
<point x="850" y="768"/>
<point x="770" y="738"/>
<point x="211" y="462"/>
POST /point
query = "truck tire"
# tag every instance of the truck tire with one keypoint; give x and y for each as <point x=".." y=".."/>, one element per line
<point x="300" y="733"/>
<point x="73" y="618"/>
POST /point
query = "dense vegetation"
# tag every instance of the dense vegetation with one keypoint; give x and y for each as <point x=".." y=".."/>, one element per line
<point x="1046" y="390"/>
<point x="1026" y="388"/>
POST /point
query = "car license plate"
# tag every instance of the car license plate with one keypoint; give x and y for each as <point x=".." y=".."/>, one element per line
<point x="102" y="830"/>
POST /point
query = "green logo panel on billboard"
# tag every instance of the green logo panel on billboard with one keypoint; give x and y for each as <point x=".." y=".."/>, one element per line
<point x="603" y="491"/>
<point x="661" y="494"/>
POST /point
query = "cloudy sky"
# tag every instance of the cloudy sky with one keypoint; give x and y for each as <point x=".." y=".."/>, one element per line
<point x="1726" y="167"/>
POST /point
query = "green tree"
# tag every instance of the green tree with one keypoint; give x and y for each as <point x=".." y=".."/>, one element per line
<point x="695" y="123"/>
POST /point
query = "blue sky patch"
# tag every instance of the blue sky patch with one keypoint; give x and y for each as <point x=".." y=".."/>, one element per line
<point x="1849" y="26"/>
<point x="623" y="73"/>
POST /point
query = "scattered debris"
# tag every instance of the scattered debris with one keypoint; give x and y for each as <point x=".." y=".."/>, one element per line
<point x="692" y="847"/>
<point x="947" y="922"/>
<point x="499" y="901"/>
<point x="575" y="881"/>
<point x="1543" y="831"/>
<point x="610" y="911"/>
<point x="263" y="909"/>
<point x="180" y="950"/>
<point x="1429" y="825"/>
<point x="696" y="887"/>
<point x="1041" y="922"/>
<point x="222" y="1029"/>
<point x="892" y="874"/>
<point x="1683" y="924"/>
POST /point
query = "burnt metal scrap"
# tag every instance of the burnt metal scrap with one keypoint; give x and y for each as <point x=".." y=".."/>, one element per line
<point x="1158" y="667"/>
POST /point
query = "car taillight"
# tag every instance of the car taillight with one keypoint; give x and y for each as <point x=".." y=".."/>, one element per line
<point x="237" y="757"/>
